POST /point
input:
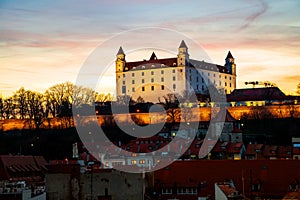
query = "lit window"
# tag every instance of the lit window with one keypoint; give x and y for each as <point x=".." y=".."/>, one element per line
<point x="133" y="162"/>
<point x="142" y="161"/>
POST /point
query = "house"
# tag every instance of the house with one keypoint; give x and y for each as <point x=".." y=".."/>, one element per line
<point x="22" y="177"/>
<point x="254" y="151"/>
<point x="262" y="179"/>
<point x="226" y="191"/>
<point x="259" y="97"/>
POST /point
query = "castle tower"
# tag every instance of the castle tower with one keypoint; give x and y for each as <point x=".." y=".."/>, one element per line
<point x="120" y="61"/>
<point x="183" y="55"/>
<point x="229" y="64"/>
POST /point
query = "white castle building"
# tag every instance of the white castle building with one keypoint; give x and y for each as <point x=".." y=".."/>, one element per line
<point x="154" y="78"/>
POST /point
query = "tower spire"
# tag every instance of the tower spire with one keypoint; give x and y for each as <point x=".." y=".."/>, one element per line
<point x="120" y="52"/>
<point x="182" y="44"/>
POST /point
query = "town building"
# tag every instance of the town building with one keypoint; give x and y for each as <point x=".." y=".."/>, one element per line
<point x="154" y="78"/>
<point x="22" y="177"/>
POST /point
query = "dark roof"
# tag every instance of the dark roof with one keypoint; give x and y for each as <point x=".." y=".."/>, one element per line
<point x="253" y="149"/>
<point x="153" y="57"/>
<point x="15" y="166"/>
<point x="242" y="173"/>
<point x="182" y="44"/>
<point x="165" y="62"/>
<point x="120" y="51"/>
<point x="229" y="55"/>
<point x="256" y="94"/>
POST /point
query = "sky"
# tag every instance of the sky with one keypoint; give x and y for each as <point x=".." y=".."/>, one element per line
<point x="46" y="42"/>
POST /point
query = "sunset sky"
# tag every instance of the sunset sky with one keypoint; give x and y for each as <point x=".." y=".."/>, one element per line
<point x="46" y="42"/>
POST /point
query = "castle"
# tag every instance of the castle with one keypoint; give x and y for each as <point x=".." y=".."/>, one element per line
<point x="154" y="78"/>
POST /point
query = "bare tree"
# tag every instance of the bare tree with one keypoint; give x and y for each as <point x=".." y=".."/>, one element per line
<point x="19" y="98"/>
<point x="35" y="109"/>
<point x="171" y="105"/>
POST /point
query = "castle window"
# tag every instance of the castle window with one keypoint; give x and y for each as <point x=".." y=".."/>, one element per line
<point x="162" y="71"/>
<point x="219" y="76"/>
<point x="229" y="84"/>
<point x="162" y="87"/>
<point x="123" y="82"/>
<point x="229" y="77"/>
<point x="152" y="80"/>
<point x="220" y="83"/>
<point x="174" y="86"/>
<point x="162" y="79"/>
<point x="143" y="73"/>
<point x="225" y="77"/>
<point x="132" y="82"/>
<point x="133" y="89"/>
<point x="180" y="70"/>
<point x="174" y="78"/>
<point x="190" y="78"/>
<point x="152" y="88"/>
<point x="143" y="89"/>
<point x="225" y="84"/>
<point x="124" y="75"/>
<point x="197" y="79"/>
<point x="174" y="64"/>
<point x="152" y="72"/>
<point x="208" y="74"/>
<point x="143" y="80"/>
<point x="173" y="70"/>
<point x="214" y="75"/>
<point x="132" y="74"/>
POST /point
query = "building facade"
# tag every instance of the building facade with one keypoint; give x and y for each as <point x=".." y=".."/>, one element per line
<point x="154" y="78"/>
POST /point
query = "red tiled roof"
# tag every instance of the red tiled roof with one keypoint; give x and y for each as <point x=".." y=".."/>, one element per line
<point x="270" y="151"/>
<point x="256" y="94"/>
<point x="284" y="151"/>
<point x="252" y="149"/>
<point x="167" y="62"/>
<point x="227" y="189"/>
<point x="191" y="173"/>
<point x="235" y="147"/>
<point x="14" y="166"/>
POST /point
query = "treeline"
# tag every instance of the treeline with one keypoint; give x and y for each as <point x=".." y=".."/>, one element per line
<point x="36" y="108"/>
